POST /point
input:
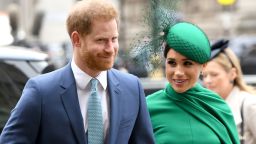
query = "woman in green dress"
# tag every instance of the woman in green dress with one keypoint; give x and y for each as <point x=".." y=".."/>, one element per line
<point x="185" y="112"/>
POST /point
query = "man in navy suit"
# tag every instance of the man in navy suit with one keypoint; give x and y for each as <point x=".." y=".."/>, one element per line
<point x="53" y="106"/>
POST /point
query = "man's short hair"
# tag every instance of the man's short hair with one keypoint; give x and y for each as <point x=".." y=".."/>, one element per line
<point x="84" y="12"/>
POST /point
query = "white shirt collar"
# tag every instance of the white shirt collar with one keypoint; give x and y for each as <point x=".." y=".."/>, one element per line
<point x="82" y="78"/>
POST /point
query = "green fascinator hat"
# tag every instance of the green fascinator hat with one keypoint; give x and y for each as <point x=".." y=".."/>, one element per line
<point x="188" y="40"/>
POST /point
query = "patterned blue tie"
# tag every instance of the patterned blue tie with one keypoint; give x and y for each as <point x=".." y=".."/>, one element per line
<point x="95" y="120"/>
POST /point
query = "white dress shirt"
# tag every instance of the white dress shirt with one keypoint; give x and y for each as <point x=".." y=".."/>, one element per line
<point x="83" y="90"/>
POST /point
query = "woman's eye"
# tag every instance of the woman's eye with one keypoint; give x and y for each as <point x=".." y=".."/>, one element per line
<point x="172" y="63"/>
<point x="188" y="63"/>
<point x="214" y="75"/>
<point x="210" y="75"/>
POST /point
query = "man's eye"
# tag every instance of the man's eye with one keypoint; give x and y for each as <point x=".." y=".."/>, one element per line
<point x="114" y="39"/>
<point x="100" y="40"/>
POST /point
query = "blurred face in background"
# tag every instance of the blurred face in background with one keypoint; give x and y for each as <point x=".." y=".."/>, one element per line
<point x="217" y="79"/>
<point x="181" y="72"/>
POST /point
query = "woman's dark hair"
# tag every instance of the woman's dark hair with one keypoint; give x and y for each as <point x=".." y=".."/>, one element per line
<point x="166" y="50"/>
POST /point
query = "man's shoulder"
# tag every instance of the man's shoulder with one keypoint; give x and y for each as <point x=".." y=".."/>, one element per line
<point x="119" y="73"/>
<point x="55" y="75"/>
<point x="123" y="78"/>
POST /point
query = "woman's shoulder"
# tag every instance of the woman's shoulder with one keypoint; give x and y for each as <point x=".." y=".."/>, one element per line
<point x="249" y="108"/>
<point x="155" y="95"/>
<point x="247" y="94"/>
<point x="249" y="100"/>
<point x="156" y="98"/>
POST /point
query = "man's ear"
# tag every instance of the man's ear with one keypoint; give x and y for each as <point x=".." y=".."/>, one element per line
<point x="75" y="38"/>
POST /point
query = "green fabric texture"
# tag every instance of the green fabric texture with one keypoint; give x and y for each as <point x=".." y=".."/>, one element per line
<point x="197" y="116"/>
<point x="190" y="41"/>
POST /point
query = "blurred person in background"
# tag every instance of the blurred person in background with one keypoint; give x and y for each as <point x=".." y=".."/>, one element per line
<point x="186" y="112"/>
<point x="13" y="11"/>
<point x="59" y="107"/>
<point x="223" y="75"/>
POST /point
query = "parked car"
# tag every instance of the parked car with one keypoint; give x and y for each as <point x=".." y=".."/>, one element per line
<point x="245" y="49"/>
<point x="17" y="65"/>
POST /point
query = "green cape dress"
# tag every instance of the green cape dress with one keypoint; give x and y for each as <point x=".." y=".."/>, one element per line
<point x="197" y="116"/>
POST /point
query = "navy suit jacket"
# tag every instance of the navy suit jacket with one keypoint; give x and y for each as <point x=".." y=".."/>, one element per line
<point x="48" y="111"/>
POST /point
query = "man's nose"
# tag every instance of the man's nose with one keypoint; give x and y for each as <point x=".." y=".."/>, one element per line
<point x="110" y="46"/>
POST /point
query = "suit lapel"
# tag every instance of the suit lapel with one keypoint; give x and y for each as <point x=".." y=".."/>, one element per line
<point x="114" y="96"/>
<point x="71" y="104"/>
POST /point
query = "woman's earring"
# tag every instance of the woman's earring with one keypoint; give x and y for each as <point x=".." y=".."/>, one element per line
<point x="201" y="75"/>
